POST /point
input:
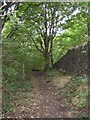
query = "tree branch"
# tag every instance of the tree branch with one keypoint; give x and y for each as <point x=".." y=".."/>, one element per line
<point x="16" y="27"/>
<point x="37" y="46"/>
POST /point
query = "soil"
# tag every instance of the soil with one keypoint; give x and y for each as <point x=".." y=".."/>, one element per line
<point x="44" y="103"/>
<point x="75" y="61"/>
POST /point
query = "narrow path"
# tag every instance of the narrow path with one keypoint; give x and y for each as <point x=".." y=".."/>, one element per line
<point x="44" y="103"/>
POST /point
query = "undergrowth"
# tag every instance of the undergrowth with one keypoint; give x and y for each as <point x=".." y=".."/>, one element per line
<point x="76" y="92"/>
<point x="73" y="90"/>
<point x="54" y="72"/>
<point x="10" y="90"/>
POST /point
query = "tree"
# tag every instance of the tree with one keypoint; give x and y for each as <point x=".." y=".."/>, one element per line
<point x="73" y="36"/>
<point x="45" y="21"/>
<point x="48" y="20"/>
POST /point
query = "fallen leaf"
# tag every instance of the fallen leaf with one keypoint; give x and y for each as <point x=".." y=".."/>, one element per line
<point x="32" y="116"/>
<point x="35" y="104"/>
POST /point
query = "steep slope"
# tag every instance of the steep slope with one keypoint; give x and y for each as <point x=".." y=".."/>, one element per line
<point x="75" y="61"/>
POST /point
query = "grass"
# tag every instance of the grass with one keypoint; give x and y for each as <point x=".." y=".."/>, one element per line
<point x="73" y="90"/>
<point x="10" y="93"/>
<point x="54" y="72"/>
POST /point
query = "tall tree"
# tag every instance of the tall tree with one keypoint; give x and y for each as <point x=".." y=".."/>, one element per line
<point x="47" y="19"/>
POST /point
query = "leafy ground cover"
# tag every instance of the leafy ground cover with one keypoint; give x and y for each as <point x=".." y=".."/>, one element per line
<point x="11" y="91"/>
<point x="73" y="90"/>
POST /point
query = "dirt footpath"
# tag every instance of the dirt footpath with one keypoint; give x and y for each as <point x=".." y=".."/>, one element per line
<point x="43" y="103"/>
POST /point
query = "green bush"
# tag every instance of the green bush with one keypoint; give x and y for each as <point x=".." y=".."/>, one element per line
<point x="52" y="73"/>
<point x="26" y="86"/>
<point x="36" y="60"/>
<point x="79" y="87"/>
<point x="12" y="83"/>
<point x="9" y="73"/>
<point x="76" y="92"/>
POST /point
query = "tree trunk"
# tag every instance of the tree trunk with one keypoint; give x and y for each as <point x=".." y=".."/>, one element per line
<point x="51" y="53"/>
<point x="23" y="71"/>
<point x="46" y="61"/>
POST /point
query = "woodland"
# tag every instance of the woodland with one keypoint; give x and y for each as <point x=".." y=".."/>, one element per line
<point x="45" y="59"/>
